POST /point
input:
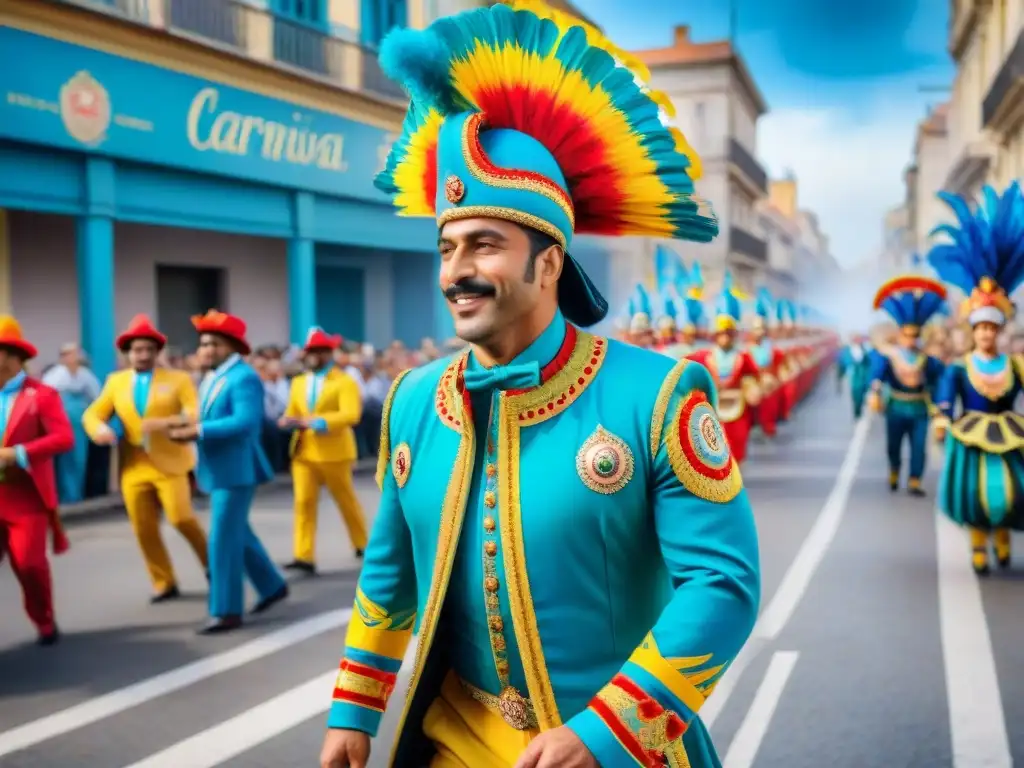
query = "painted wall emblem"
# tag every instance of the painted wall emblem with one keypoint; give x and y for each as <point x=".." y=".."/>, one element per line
<point x="85" y="109"/>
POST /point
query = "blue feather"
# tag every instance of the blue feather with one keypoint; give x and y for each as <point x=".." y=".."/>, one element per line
<point x="419" y="59"/>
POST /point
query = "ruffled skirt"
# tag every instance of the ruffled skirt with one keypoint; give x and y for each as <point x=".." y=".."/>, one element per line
<point x="982" y="483"/>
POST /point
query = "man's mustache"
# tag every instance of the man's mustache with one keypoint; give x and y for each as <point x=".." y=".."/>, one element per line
<point x="468" y="287"/>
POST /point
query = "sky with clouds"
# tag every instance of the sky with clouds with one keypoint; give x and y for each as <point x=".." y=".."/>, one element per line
<point x="843" y="84"/>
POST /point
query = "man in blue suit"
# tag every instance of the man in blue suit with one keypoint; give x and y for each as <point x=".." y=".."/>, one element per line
<point x="231" y="465"/>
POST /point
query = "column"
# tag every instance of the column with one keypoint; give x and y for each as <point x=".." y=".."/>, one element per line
<point x="444" y="326"/>
<point x="302" y="270"/>
<point x="94" y="256"/>
<point x="5" y="265"/>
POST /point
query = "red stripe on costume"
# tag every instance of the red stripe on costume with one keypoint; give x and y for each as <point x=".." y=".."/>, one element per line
<point x="683" y="429"/>
<point x="370" y="702"/>
<point x="624" y="736"/>
<point x="430" y="175"/>
<point x="908" y="283"/>
<point x="559" y="361"/>
<point x="387" y="678"/>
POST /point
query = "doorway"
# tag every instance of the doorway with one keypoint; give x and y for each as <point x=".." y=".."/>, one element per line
<point x="182" y="292"/>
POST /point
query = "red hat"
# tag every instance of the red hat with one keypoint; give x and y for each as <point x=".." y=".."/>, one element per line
<point x="10" y="336"/>
<point x="141" y="327"/>
<point x="317" y="338"/>
<point x="225" y="325"/>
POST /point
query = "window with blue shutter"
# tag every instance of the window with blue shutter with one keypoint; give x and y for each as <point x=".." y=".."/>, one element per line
<point x="301" y="32"/>
<point x="378" y="17"/>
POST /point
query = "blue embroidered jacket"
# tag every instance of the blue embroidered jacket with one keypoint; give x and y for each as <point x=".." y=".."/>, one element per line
<point x="587" y="542"/>
<point x="911" y="378"/>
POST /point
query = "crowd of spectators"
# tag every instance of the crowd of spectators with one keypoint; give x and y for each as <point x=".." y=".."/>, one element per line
<point x="372" y="369"/>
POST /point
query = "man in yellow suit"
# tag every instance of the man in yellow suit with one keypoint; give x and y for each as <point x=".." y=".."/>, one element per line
<point x="324" y="406"/>
<point x="144" y="402"/>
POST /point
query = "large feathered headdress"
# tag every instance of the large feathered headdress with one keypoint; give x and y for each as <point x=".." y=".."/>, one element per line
<point x="728" y="308"/>
<point x="911" y="300"/>
<point x="529" y="116"/>
<point x="986" y="256"/>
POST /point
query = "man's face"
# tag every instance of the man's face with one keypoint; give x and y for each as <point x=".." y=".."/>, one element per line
<point x="213" y="350"/>
<point x="488" y="276"/>
<point x="142" y="354"/>
<point x="10" y="363"/>
<point x="316" y="359"/>
<point x="908" y="338"/>
<point x="758" y="334"/>
<point x="725" y="339"/>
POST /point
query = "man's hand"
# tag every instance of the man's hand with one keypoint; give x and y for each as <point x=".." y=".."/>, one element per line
<point x="875" y="402"/>
<point x="7" y="456"/>
<point x="106" y="436"/>
<point x="345" y="749"/>
<point x="149" y="426"/>
<point x="940" y="432"/>
<point x="557" y="748"/>
<point x="184" y="434"/>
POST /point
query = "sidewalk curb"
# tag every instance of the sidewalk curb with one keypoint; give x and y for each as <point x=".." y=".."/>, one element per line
<point x="111" y="505"/>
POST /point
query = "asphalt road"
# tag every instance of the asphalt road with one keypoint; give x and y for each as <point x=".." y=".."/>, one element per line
<point x="876" y="646"/>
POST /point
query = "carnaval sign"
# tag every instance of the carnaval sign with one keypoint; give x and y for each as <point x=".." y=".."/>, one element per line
<point x="77" y="98"/>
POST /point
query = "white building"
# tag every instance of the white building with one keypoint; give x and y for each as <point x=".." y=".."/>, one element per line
<point x="927" y="176"/>
<point x="718" y="105"/>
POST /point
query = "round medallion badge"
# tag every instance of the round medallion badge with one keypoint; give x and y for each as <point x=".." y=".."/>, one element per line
<point x="85" y="109"/>
<point x="454" y="189"/>
<point x="604" y="463"/>
<point x="705" y="439"/>
<point x="401" y="463"/>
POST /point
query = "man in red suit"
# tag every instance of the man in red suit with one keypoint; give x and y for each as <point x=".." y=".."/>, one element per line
<point x="35" y="429"/>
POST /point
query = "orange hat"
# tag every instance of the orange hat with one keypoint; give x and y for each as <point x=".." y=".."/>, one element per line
<point x="141" y="327"/>
<point x="318" y="338"/>
<point x="223" y="324"/>
<point x="10" y="336"/>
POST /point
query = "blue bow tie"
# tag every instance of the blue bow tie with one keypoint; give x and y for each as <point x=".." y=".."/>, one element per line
<point x="502" y="377"/>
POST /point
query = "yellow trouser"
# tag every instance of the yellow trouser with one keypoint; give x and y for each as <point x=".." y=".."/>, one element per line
<point x="979" y="545"/>
<point x="143" y="497"/>
<point x="467" y="734"/>
<point x="308" y="478"/>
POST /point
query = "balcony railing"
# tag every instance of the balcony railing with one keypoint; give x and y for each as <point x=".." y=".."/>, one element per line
<point x="1007" y="88"/>
<point x="261" y="35"/>
<point x="746" y="244"/>
<point x="748" y="165"/>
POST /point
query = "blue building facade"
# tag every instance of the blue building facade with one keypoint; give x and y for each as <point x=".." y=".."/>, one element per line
<point x="131" y="156"/>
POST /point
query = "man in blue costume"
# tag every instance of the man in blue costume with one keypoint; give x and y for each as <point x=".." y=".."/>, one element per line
<point x="854" y="364"/>
<point x="560" y="513"/>
<point x="231" y="465"/>
<point x="909" y="376"/>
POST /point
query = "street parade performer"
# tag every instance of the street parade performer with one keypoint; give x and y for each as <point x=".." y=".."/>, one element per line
<point x="734" y="372"/>
<point x="641" y="333"/>
<point x="666" y="330"/>
<point x="770" y="361"/>
<point x="909" y="375"/>
<point x="982" y="483"/>
<point x="231" y="465"/>
<point x="324" y="407"/>
<point x="560" y="514"/>
<point x="854" y="363"/>
<point x="145" y="401"/>
<point x="35" y="429"/>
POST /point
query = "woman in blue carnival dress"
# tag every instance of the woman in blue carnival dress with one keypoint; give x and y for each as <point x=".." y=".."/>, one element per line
<point x="909" y="376"/>
<point x="982" y="484"/>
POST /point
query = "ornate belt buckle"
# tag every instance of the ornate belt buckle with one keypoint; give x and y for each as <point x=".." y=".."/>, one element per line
<point x="513" y="709"/>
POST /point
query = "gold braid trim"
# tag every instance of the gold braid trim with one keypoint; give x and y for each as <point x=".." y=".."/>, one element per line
<point x="668" y="388"/>
<point x="384" y="455"/>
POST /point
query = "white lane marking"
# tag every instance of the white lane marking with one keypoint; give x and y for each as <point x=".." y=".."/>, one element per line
<point x="112" y="703"/>
<point x="977" y="725"/>
<point x="798" y="576"/>
<point x="258" y="725"/>
<point x="752" y="730"/>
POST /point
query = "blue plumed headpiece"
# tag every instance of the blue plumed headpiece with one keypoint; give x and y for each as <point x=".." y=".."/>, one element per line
<point x="986" y="256"/>
<point x="911" y="300"/>
<point x="728" y="309"/>
<point x="642" y="311"/>
<point x="526" y="114"/>
<point x="763" y="308"/>
<point x="669" y="311"/>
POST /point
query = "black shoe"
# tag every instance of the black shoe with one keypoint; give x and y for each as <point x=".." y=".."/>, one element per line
<point x="49" y="638"/>
<point x="981" y="570"/>
<point x="171" y="593"/>
<point x="218" y="625"/>
<point x="301" y="565"/>
<point x="269" y="602"/>
<point x="359" y="554"/>
<point x="1004" y="562"/>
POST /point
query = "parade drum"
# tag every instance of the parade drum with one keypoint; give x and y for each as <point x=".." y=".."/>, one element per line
<point x="768" y="383"/>
<point x="730" y="404"/>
